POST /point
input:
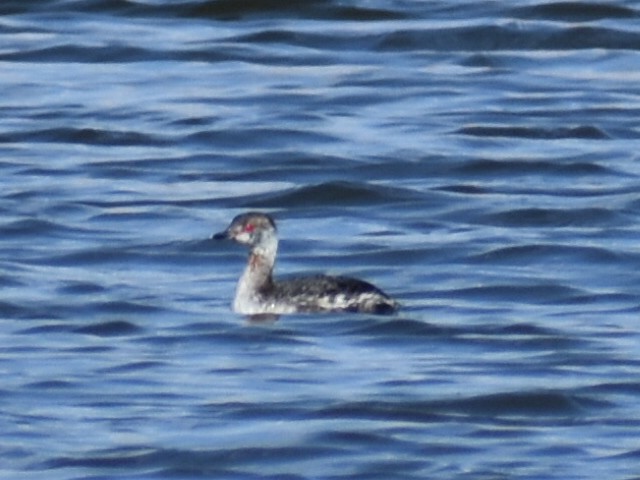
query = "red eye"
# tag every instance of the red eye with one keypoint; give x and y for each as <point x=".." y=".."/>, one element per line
<point x="249" y="228"/>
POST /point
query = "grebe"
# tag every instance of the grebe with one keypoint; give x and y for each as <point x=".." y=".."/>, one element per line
<point x="258" y="293"/>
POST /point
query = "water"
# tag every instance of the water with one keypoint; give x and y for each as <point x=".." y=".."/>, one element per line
<point x="476" y="160"/>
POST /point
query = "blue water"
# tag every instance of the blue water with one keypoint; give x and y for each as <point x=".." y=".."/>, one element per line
<point x="476" y="160"/>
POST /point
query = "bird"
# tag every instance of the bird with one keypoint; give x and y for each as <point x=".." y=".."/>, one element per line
<point x="258" y="293"/>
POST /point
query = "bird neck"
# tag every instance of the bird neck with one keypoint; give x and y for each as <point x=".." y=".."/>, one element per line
<point x="262" y="257"/>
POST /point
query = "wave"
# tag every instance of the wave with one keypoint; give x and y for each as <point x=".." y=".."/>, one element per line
<point x="85" y="136"/>
<point x="556" y="217"/>
<point x="343" y="193"/>
<point x="538" y="404"/>
<point x="587" y="132"/>
<point x="575" y="11"/>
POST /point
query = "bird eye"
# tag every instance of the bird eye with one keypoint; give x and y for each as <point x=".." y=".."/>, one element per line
<point x="249" y="228"/>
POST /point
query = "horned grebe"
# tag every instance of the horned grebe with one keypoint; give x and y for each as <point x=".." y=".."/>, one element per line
<point x="258" y="294"/>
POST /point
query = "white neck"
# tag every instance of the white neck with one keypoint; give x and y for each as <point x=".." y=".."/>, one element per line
<point x="257" y="274"/>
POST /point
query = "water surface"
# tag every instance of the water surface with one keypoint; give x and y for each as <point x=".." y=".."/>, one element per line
<point x="476" y="160"/>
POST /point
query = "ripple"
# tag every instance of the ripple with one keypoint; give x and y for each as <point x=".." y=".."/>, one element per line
<point x="242" y="411"/>
<point x="402" y="327"/>
<point x="538" y="404"/>
<point x="586" y="132"/>
<point x="175" y="462"/>
<point x="575" y="11"/>
<point x="527" y="403"/>
<point x="545" y="252"/>
<point x="464" y="189"/>
<point x="114" y="328"/>
<point x="333" y="193"/>
<point x="473" y="38"/>
<point x="630" y="388"/>
<point x="83" y="136"/>
<point x="532" y="294"/>
<point x="268" y="137"/>
<point x="508" y="38"/>
<point x="531" y="167"/>
<point x="48" y="328"/>
<point x="234" y="10"/>
<point x="30" y="227"/>
<point x="12" y="310"/>
<point x="81" y="288"/>
<point x="94" y="256"/>
<point x="553" y="217"/>
<point x="51" y="385"/>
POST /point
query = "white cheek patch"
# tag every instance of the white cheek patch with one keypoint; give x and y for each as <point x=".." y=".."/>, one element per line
<point x="243" y="237"/>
